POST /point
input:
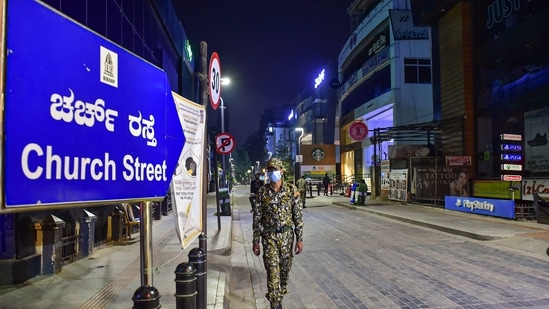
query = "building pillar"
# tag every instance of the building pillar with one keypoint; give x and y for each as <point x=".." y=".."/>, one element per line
<point x="87" y="233"/>
<point x="49" y="233"/>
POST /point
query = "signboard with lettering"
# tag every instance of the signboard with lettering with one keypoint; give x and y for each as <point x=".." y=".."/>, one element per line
<point x="511" y="177"/>
<point x="535" y="185"/>
<point x="85" y="120"/>
<point x="511" y="137"/>
<point x="511" y="167"/>
<point x="511" y="147"/>
<point x="481" y="206"/>
<point x="511" y="157"/>
<point x="358" y="130"/>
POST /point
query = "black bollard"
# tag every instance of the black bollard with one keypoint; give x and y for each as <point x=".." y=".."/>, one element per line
<point x="311" y="189"/>
<point x="185" y="286"/>
<point x="146" y="297"/>
<point x="198" y="259"/>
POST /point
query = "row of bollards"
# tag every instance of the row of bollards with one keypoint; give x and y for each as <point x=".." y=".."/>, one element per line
<point x="190" y="281"/>
<point x="190" y="286"/>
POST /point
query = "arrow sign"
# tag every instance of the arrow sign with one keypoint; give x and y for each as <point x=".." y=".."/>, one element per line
<point x="224" y="143"/>
<point x="85" y="120"/>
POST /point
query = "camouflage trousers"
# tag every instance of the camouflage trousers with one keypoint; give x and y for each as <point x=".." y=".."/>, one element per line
<point x="278" y="255"/>
<point x="302" y="196"/>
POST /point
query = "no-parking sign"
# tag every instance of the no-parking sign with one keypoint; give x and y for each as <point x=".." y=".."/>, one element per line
<point x="224" y="143"/>
<point x="214" y="80"/>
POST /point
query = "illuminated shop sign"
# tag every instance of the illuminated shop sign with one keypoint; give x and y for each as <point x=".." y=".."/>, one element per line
<point x="319" y="79"/>
<point x="481" y="206"/>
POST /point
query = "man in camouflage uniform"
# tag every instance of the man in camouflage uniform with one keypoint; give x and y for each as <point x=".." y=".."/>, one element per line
<point x="277" y="216"/>
<point x="302" y="187"/>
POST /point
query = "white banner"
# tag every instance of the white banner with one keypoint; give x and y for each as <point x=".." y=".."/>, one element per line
<point x="535" y="135"/>
<point x="186" y="186"/>
<point x="398" y="187"/>
<point x="531" y="186"/>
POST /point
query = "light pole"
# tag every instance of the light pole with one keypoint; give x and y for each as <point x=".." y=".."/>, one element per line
<point x="224" y="82"/>
<point x="298" y="157"/>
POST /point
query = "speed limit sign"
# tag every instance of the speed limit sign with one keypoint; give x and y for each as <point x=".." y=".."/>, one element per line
<point x="214" y="80"/>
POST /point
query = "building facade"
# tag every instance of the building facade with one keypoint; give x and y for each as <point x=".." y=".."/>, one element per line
<point x="385" y="69"/>
<point x="493" y="57"/>
<point x="315" y="116"/>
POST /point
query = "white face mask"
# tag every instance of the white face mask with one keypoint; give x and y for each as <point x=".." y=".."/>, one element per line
<point x="275" y="176"/>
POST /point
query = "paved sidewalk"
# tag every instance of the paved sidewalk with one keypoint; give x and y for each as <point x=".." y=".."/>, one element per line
<point x="110" y="276"/>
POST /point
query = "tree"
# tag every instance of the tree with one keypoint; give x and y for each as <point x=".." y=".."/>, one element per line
<point x="255" y="147"/>
<point x="242" y="165"/>
<point x="283" y="152"/>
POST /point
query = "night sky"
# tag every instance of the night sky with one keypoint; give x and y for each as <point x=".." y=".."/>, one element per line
<point x="270" y="50"/>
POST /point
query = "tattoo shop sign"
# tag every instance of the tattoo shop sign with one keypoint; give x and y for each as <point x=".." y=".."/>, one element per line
<point x="85" y="120"/>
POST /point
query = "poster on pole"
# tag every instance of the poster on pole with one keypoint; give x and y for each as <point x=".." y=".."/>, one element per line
<point x="186" y="186"/>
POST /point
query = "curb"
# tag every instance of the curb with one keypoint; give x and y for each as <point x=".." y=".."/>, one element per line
<point x="422" y="223"/>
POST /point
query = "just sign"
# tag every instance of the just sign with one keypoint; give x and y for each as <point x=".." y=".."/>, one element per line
<point x="319" y="79"/>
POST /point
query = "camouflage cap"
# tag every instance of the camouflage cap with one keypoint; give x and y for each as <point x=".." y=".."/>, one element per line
<point x="276" y="163"/>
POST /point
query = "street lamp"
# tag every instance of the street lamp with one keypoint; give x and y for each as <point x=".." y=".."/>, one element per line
<point x="224" y="82"/>
<point x="298" y="157"/>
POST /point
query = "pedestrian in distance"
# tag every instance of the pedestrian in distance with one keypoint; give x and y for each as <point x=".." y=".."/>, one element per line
<point x="362" y="192"/>
<point x="277" y="223"/>
<point x="254" y="188"/>
<point x="326" y="183"/>
<point x="302" y="187"/>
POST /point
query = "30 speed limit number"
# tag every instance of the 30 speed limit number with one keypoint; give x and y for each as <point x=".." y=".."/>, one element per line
<point x="214" y="80"/>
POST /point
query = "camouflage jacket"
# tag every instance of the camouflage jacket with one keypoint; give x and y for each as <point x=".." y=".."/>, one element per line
<point x="278" y="209"/>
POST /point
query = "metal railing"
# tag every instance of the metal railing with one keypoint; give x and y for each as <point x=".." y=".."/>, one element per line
<point x="69" y="247"/>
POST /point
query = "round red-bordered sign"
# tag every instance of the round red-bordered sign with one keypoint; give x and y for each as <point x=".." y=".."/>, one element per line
<point x="358" y="131"/>
<point x="224" y="143"/>
<point x="214" y="80"/>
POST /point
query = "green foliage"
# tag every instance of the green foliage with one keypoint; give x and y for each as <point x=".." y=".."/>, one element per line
<point x="255" y="147"/>
<point x="242" y="165"/>
<point x="283" y="152"/>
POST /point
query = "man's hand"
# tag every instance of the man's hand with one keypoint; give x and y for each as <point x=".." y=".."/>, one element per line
<point x="298" y="247"/>
<point x="256" y="249"/>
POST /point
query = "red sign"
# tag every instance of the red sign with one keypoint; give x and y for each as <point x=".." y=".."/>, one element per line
<point x="511" y="177"/>
<point x="224" y="143"/>
<point x="358" y="131"/>
<point x="214" y="80"/>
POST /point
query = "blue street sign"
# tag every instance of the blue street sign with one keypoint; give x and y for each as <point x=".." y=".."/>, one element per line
<point x="482" y="206"/>
<point x="85" y="120"/>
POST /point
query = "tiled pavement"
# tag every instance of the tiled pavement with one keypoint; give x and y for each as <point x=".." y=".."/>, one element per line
<point x="110" y="276"/>
<point x="355" y="260"/>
